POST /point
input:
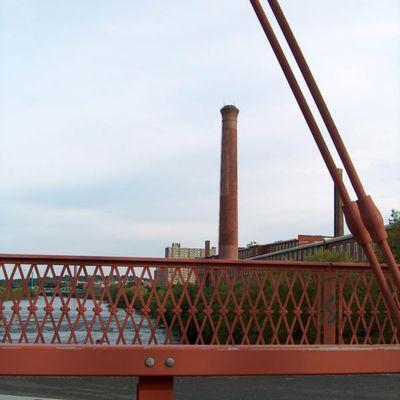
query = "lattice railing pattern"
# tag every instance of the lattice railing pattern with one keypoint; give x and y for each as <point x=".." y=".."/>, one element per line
<point x="362" y="315"/>
<point x="139" y="301"/>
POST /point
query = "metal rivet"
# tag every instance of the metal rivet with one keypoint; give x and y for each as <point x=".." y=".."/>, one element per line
<point x="149" y="362"/>
<point x="169" y="362"/>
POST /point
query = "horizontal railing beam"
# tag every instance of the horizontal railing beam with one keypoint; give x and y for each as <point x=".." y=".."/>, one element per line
<point x="173" y="262"/>
<point x="53" y="360"/>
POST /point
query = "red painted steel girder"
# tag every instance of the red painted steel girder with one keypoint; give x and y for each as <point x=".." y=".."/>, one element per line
<point x="53" y="360"/>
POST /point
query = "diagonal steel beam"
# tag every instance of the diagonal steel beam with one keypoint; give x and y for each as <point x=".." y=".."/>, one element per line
<point x="370" y="214"/>
<point x="350" y="208"/>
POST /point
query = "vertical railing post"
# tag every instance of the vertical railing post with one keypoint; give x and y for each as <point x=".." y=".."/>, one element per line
<point x="319" y="304"/>
<point x="329" y="298"/>
<point x="155" y="388"/>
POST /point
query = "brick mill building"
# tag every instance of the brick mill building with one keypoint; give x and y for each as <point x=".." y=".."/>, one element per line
<point x="304" y="246"/>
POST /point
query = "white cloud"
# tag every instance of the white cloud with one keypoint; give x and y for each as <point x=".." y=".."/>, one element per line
<point x="121" y="103"/>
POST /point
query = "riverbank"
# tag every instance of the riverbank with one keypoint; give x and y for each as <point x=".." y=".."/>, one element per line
<point x="16" y="293"/>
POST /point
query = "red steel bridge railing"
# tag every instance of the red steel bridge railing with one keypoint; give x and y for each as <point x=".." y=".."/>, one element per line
<point x="159" y="318"/>
<point x="191" y="302"/>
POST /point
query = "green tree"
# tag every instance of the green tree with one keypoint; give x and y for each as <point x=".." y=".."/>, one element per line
<point x="328" y="256"/>
<point x="394" y="233"/>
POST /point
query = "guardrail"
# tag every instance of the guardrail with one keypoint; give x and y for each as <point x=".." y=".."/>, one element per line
<point x="165" y="317"/>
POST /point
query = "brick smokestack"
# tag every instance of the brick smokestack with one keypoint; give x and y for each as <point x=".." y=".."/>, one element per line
<point x="338" y="212"/>
<point x="228" y="206"/>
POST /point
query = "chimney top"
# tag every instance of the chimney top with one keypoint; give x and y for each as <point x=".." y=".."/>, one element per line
<point x="229" y="108"/>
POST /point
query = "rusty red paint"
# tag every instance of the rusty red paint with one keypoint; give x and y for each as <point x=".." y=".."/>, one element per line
<point x="94" y="360"/>
<point x="155" y="387"/>
<point x="243" y="302"/>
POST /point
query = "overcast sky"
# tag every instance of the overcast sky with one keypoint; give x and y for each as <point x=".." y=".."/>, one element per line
<point x="110" y="123"/>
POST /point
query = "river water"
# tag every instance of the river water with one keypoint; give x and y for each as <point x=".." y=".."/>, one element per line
<point x="136" y="332"/>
